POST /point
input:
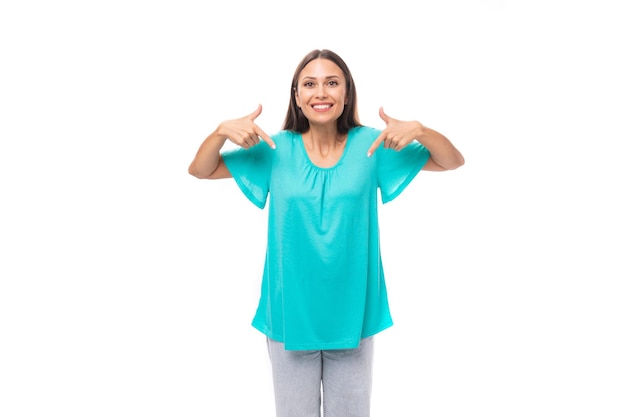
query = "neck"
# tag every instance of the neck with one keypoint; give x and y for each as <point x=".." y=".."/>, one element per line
<point x="324" y="147"/>
<point x="324" y="137"/>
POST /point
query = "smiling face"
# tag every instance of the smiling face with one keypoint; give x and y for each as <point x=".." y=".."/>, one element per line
<point x="321" y="91"/>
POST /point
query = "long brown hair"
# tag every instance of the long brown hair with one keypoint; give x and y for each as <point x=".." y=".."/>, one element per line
<point x="295" y="119"/>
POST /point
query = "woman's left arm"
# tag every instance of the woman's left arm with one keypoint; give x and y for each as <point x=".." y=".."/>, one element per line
<point x="443" y="154"/>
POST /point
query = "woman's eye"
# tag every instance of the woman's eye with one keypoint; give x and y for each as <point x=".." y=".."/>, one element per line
<point x="333" y="83"/>
<point x="308" y="84"/>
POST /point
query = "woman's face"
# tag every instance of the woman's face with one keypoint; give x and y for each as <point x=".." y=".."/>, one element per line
<point x="321" y="91"/>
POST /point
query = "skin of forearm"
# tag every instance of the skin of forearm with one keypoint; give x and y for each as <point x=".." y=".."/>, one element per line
<point x="207" y="158"/>
<point x="442" y="151"/>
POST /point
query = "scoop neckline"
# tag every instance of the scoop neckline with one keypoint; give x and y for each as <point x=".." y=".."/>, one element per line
<point x="336" y="164"/>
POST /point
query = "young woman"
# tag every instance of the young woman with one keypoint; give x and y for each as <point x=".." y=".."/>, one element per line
<point x="323" y="295"/>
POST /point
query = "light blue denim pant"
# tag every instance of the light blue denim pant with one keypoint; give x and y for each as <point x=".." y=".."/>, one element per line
<point x="339" y="380"/>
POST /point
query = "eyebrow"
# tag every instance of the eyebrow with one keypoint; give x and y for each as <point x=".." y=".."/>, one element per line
<point x="315" y="78"/>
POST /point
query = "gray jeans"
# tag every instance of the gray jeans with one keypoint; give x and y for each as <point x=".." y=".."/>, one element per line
<point x="339" y="380"/>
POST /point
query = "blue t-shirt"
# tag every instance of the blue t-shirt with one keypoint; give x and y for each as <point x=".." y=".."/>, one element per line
<point x="323" y="284"/>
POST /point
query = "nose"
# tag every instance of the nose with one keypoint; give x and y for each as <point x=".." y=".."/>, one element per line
<point x="321" y="90"/>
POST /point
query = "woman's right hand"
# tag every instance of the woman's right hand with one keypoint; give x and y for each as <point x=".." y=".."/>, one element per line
<point x="244" y="131"/>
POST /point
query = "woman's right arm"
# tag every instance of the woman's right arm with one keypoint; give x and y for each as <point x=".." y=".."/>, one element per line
<point x="208" y="164"/>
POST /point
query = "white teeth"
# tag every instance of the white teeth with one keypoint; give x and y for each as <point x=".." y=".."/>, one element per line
<point x="321" y="106"/>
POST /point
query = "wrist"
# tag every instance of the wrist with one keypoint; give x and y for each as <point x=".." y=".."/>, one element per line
<point x="219" y="135"/>
<point x="420" y="130"/>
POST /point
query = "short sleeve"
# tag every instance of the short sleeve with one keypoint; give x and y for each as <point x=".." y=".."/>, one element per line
<point x="251" y="169"/>
<point x="396" y="169"/>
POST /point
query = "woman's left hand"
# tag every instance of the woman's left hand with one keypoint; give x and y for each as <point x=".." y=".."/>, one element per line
<point x="397" y="135"/>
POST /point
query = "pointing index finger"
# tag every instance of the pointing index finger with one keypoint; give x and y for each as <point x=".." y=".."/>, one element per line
<point x="259" y="132"/>
<point x="376" y="144"/>
<point x="266" y="138"/>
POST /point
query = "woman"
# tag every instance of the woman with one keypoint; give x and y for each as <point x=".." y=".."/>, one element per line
<point x="323" y="295"/>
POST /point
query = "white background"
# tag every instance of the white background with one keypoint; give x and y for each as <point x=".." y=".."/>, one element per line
<point x="127" y="286"/>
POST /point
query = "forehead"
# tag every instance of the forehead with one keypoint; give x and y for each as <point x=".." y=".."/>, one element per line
<point x="321" y="68"/>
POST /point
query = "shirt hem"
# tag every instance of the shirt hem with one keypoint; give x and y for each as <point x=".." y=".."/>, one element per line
<point x="346" y="344"/>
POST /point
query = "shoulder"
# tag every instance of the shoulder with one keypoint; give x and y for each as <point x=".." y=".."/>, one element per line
<point x="365" y="132"/>
<point x="284" y="136"/>
<point x="363" y="136"/>
<point x="284" y="139"/>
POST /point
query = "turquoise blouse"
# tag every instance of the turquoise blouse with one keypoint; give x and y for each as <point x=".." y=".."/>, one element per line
<point x="323" y="284"/>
